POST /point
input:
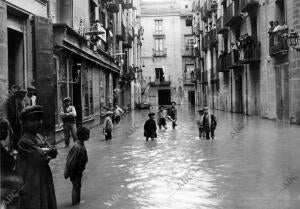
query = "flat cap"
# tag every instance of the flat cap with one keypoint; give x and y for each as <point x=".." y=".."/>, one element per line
<point x="173" y="102"/>
<point x="109" y="113"/>
<point x="67" y="99"/>
<point x="200" y="110"/>
<point x="205" y="108"/>
<point x="151" y="113"/>
<point x="31" y="88"/>
<point x="31" y="111"/>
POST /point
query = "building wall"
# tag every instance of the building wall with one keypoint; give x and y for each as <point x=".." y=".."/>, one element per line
<point x="174" y="29"/>
<point x="270" y="88"/>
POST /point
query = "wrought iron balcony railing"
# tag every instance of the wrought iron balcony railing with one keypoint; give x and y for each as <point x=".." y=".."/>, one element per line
<point x="232" y="14"/>
<point x="278" y="43"/>
<point x="113" y="6"/>
<point x="159" y="32"/>
<point x="160" y="82"/>
<point x="232" y="60"/>
<point x="160" y="52"/>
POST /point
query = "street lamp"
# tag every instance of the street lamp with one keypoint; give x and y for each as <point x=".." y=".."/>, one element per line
<point x="293" y="39"/>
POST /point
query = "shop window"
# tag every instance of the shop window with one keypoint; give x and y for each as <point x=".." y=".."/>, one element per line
<point x="87" y="92"/>
<point x="63" y="84"/>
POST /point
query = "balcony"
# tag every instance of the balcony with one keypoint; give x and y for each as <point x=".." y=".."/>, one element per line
<point x="121" y="32"/>
<point x="221" y="29"/>
<point x="278" y="43"/>
<point x="95" y="33"/>
<point x="250" y="51"/>
<point x="159" y="53"/>
<point x="160" y="82"/>
<point x="249" y="5"/>
<point x="232" y="15"/>
<point x="213" y="38"/>
<point x="128" y="39"/>
<point x="221" y="63"/>
<point x="207" y="8"/>
<point x="127" y="4"/>
<point x="158" y="33"/>
<point x="113" y="6"/>
<point x="232" y="60"/>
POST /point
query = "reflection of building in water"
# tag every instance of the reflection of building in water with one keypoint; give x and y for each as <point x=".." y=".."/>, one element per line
<point x="168" y="51"/>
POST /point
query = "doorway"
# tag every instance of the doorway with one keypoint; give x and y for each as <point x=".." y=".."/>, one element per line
<point x="164" y="97"/>
<point x="15" y="58"/>
<point x="239" y="94"/>
<point x="191" y="95"/>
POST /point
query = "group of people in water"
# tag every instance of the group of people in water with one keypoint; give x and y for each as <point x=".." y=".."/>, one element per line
<point x="206" y="122"/>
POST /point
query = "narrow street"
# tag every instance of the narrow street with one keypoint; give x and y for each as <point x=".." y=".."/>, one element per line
<point x="258" y="167"/>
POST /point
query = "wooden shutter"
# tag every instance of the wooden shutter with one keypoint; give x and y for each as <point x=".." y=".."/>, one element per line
<point x="3" y="57"/>
<point x="45" y="73"/>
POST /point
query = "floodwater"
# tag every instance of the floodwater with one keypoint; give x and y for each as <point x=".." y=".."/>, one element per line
<point x="253" y="163"/>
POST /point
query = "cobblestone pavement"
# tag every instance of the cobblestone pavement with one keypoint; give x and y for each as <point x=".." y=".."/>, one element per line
<point x="253" y="163"/>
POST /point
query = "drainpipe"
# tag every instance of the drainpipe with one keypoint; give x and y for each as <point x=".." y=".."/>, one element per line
<point x="49" y="9"/>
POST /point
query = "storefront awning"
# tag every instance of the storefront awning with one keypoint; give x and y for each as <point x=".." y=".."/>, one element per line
<point x="66" y="38"/>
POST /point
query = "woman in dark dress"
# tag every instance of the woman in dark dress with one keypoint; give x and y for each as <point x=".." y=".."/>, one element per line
<point x="150" y="127"/>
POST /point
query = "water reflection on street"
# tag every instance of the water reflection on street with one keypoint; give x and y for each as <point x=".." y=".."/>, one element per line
<point x="247" y="169"/>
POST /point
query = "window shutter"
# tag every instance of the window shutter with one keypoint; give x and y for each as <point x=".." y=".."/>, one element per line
<point x="45" y="73"/>
<point x="3" y="57"/>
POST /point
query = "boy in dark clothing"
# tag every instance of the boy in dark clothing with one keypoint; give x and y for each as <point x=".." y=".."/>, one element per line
<point x="76" y="162"/>
<point x="150" y="127"/>
<point x="173" y="115"/>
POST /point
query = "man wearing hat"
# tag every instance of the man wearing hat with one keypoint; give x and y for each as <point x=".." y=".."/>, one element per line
<point x="68" y="115"/>
<point x="209" y="123"/>
<point x="108" y="125"/>
<point x="150" y="127"/>
<point x="30" y="98"/>
<point x="33" y="162"/>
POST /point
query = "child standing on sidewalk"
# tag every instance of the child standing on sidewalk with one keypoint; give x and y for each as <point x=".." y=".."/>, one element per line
<point x="76" y="162"/>
<point x="108" y="125"/>
<point x="150" y="127"/>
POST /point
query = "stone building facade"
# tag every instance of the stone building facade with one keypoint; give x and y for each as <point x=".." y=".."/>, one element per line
<point x="82" y="49"/>
<point x="167" y="52"/>
<point x="247" y="63"/>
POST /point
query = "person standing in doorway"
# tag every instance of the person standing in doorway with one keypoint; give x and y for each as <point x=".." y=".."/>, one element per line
<point x="173" y="115"/>
<point x="209" y="124"/>
<point x="76" y="162"/>
<point x="68" y="115"/>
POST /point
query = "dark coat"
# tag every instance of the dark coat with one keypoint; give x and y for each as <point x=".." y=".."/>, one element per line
<point x="76" y="161"/>
<point x="7" y="161"/>
<point x="209" y="125"/>
<point x="150" y="128"/>
<point x="32" y="165"/>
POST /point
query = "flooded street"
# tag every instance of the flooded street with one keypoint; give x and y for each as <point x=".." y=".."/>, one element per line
<point x="252" y="164"/>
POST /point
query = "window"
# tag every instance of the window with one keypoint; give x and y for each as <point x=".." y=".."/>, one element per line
<point x="159" y="44"/>
<point x="158" y="26"/>
<point x="186" y="6"/>
<point x="87" y="91"/>
<point x="189" y="71"/>
<point x="189" y="44"/>
<point x="280" y="11"/>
